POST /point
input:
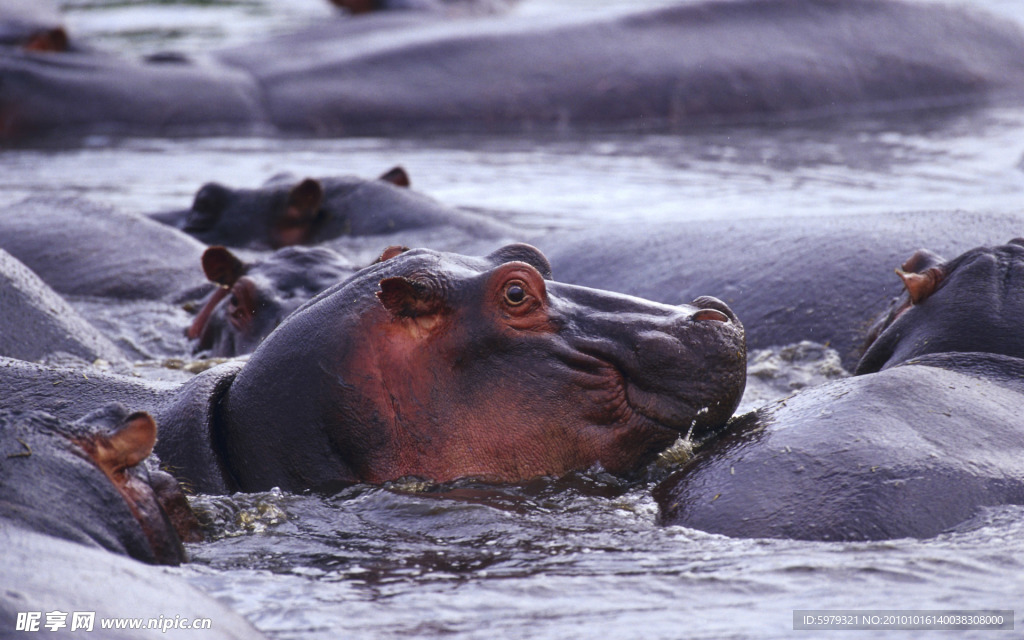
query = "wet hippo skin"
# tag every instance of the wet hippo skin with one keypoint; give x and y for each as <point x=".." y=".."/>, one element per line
<point x="926" y="435"/>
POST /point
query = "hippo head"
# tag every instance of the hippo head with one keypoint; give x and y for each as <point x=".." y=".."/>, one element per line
<point x="93" y="481"/>
<point x="283" y="212"/>
<point x="972" y="303"/>
<point x="441" y="366"/>
<point x="254" y="298"/>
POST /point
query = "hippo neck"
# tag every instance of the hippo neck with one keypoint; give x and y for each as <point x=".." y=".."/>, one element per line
<point x="191" y="442"/>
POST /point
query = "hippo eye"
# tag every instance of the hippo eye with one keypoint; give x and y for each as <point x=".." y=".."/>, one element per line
<point x="515" y="293"/>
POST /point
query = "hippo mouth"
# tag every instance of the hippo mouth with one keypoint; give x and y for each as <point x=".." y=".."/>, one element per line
<point x="682" y="381"/>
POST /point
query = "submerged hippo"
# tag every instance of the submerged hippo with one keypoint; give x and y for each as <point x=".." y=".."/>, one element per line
<point x="80" y="504"/>
<point x="286" y="211"/>
<point x="928" y="433"/>
<point x="664" y="68"/>
<point x="253" y="298"/>
<point x="671" y="67"/>
<point x="91" y="482"/>
<point x="82" y="91"/>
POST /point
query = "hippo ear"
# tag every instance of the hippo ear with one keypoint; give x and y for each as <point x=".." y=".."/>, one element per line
<point x="922" y="260"/>
<point x="306" y="196"/>
<point x="55" y="40"/>
<point x="397" y="176"/>
<point x="127" y="445"/>
<point x="221" y="266"/>
<point x="920" y="286"/>
<point x="406" y="298"/>
<point x="391" y="252"/>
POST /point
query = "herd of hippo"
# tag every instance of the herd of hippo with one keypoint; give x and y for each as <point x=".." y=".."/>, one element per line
<point x="386" y="335"/>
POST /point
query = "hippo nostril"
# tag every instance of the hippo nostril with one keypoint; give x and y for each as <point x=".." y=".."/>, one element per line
<point x="710" y="307"/>
<point x="710" y="314"/>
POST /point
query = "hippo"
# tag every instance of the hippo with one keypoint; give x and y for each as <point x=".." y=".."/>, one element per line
<point x="927" y="434"/>
<point x="372" y="379"/>
<point x="286" y="211"/>
<point x="84" y="506"/>
<point x="815" y="279"/>
<point x="81" y="91"/>
<point x="656" y="69"/>
<point x="253" y="298"/>
<point x="90" y="482"/>
<point x="37" y="323"/>
<point x="437" y="366"/>
<point x="81" y="248"/>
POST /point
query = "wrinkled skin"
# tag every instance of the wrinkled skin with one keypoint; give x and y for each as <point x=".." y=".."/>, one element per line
<point x="253" y="299"/>
<point x="287" y="211"/>
<point x="90" y="482"/>
<point x="928" y="433"/>
<point x="442" y="366"/>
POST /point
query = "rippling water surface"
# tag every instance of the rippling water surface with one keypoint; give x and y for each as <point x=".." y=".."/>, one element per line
<point x="582" y="557"/>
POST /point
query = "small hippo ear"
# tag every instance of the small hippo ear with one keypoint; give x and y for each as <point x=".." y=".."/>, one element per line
<point x="920" y="286"/>
<point x="127" y="445"/>
<point x="922" y="260"/>
<point x="221" y="266"/>
<point x="397" y="177"/>
<point x="55" y="40"/>
<point x="406" y="298"/>
<point x="306" y="197"/>
<point x="391" y="252"/>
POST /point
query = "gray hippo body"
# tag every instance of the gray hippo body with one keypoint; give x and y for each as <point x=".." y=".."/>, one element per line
<point x="672" y="68"/>
<point x="89" y="92"/>
<point x="36" y="323"/>
<point x="927" y="435"/>
<point x="83" y="249"/>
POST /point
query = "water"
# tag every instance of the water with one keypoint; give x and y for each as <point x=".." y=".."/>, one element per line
<point x="582" y="557"/>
